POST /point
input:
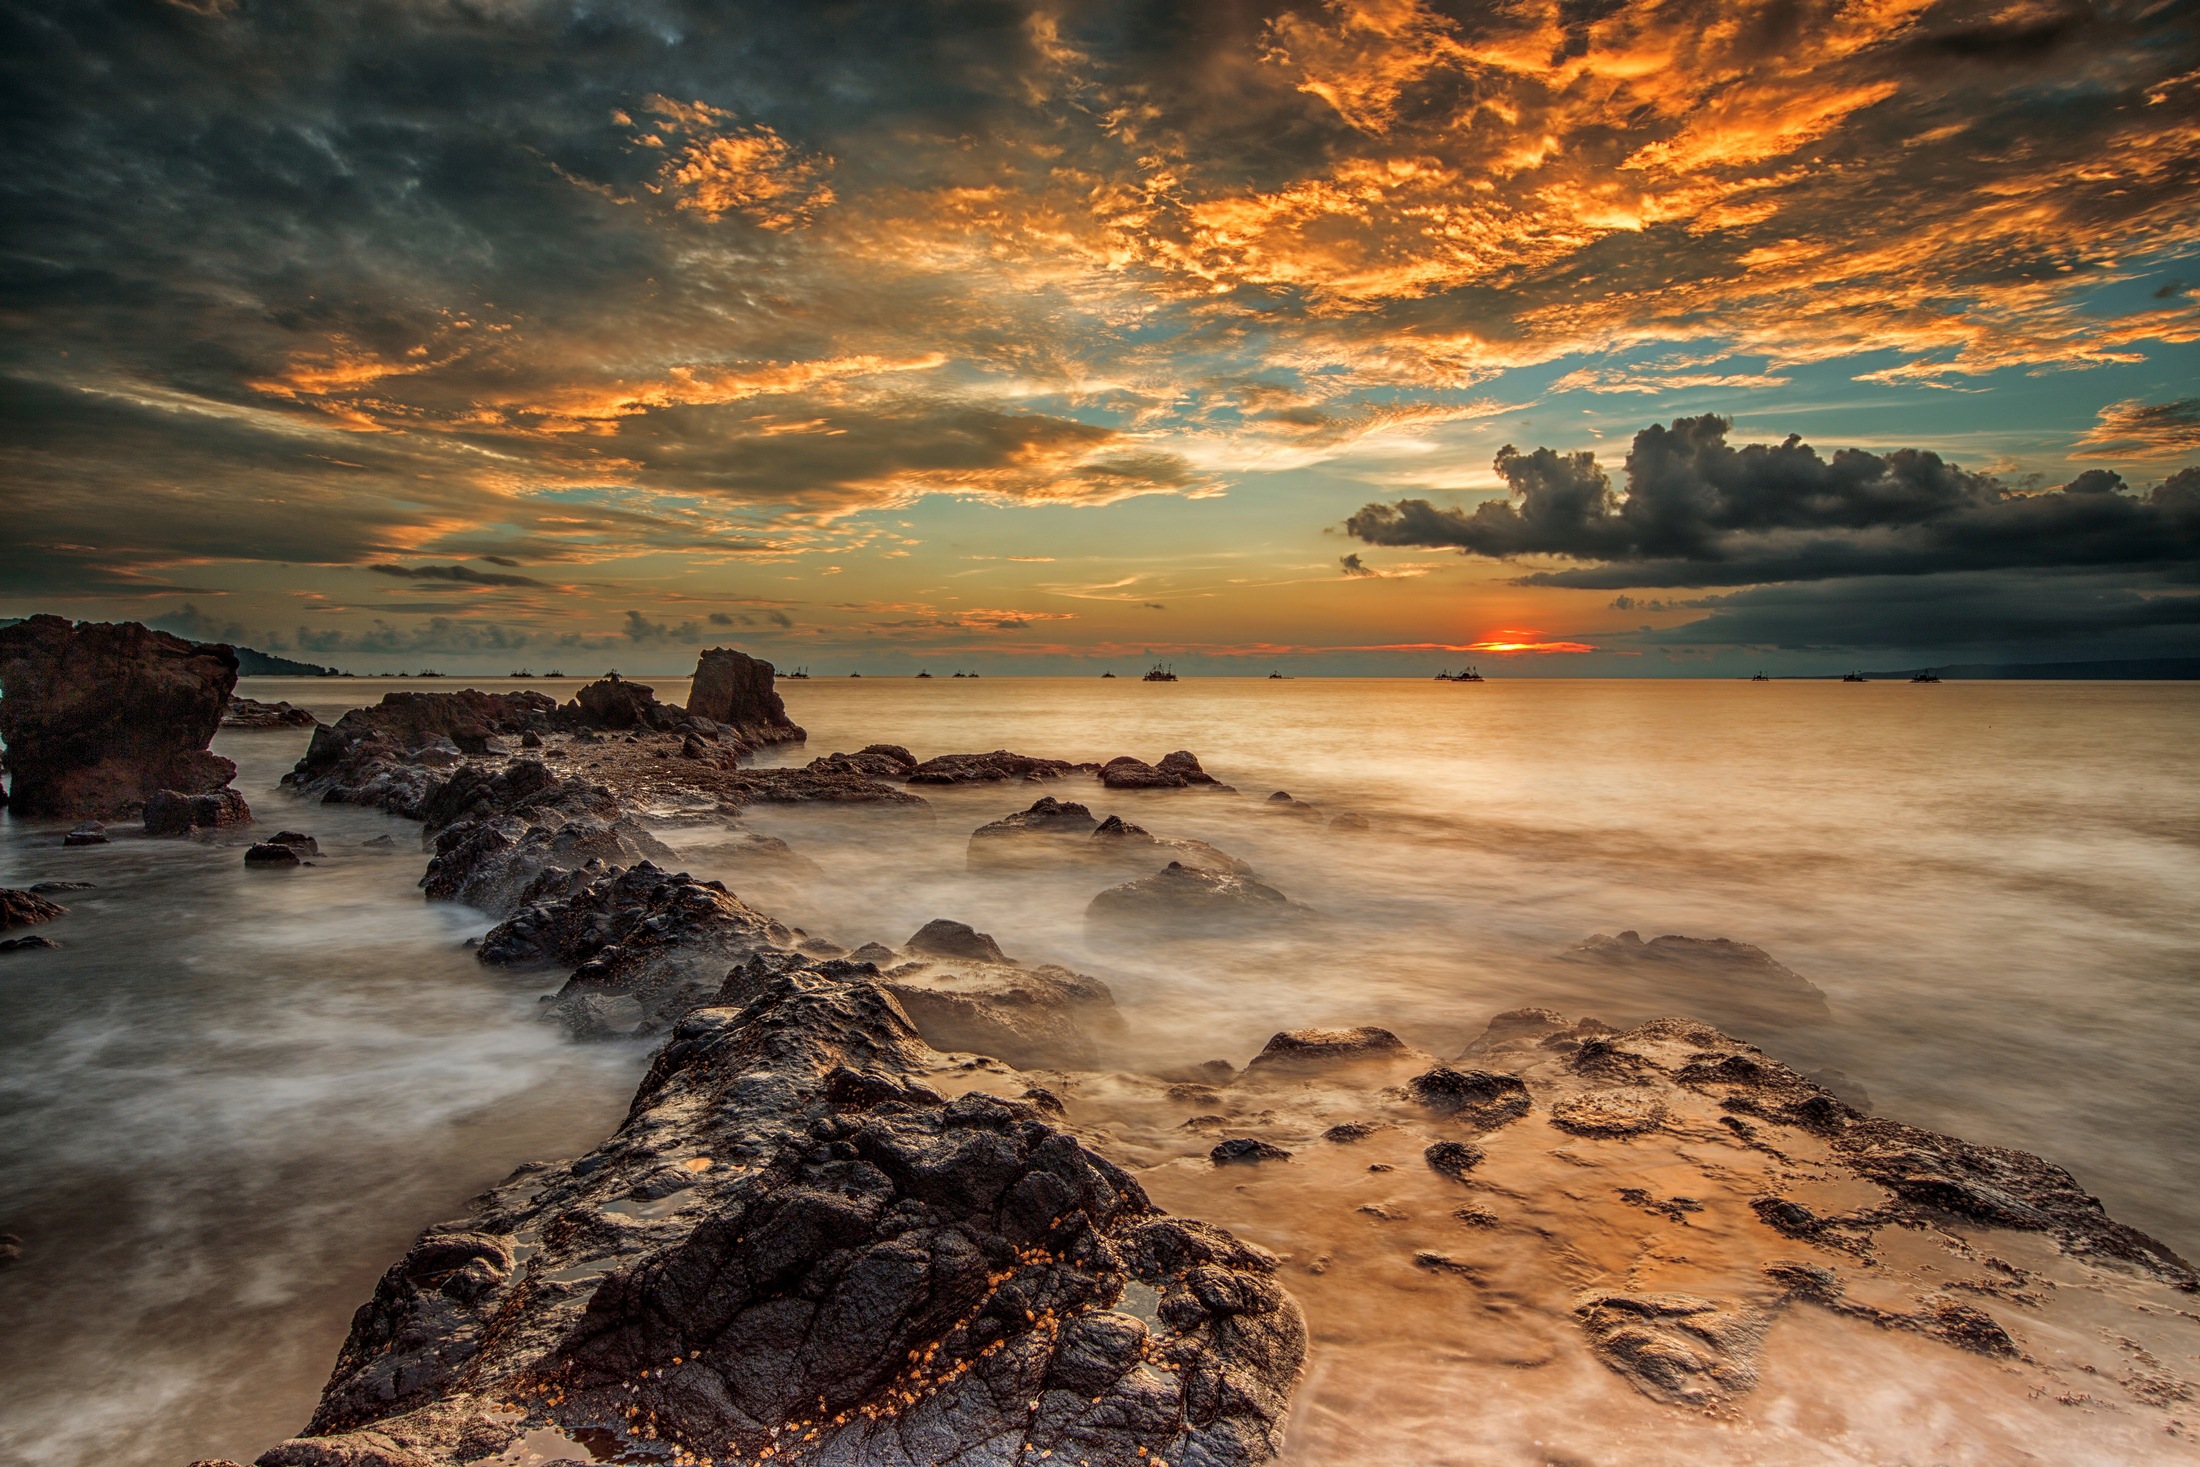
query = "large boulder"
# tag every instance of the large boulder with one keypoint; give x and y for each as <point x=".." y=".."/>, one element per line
<point x="98" y="715"/>
<point x="796" y="1249"/>
<point x="1011" y="839"/>
<point x="738" y="690"/>
<point x="252" y="713"/>
<point x="170" y="812"/>
<point x="615" y="703"/>
<point x="991" y="768"/>
<point x="383" y="755"/>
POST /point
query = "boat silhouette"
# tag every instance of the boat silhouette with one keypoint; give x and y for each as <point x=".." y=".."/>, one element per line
<point x="1161" y="674"/>
<point x="1854" y="677"/>
<point x="1760" y="678"/>
<point x="1464" y="675"/>
<point x="1926" y="675"/>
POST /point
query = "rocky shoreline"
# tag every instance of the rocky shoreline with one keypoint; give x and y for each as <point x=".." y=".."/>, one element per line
<point x="909" y="1206"/>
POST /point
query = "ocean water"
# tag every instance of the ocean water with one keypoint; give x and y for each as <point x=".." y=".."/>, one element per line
<point x="233" y="1097"/>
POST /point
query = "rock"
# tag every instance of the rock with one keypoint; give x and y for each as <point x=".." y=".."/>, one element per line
<point x="366" y="757"/>
<point x="738" y="690"/>
<point x="944" y="939"/>
<point x="1120" y="843"/>
<point x="1485" y="1099"/>
<point x="1609" y="1113"/>
<point x="51" y="888"/>
<point x="22" y="909"/>
<point x="304" y="845"/>
<point x="849" y="1269"/>
<point x="872" y="761"/>
<point x="1730" y="983"/>
<point x="1350" y="823"/>
<point x="649" y="945"/>
<point x="252" y="713"/>
<point x="616" y="704"/>
<point x="1185" y="766"/>
<point x="1127" y="773"/>
<point x="1008" y="840"/>
<point x="990" y="768"/>
<point x="90" y="833"/>
<point x="1027" y="1017"/>
<point x="25" y="944"/>
<point x="878" y="954"/>
<point x="1453" y="1159"/>
<point x="99" y="715"/>
<point x="1295" y="1051"/>
<point x="1246" y="1149"/>
<point x="171" y="812"/>
<point x="1181" y="901"/>
<point x="269" y="854"/>
<point x="1676" y="1348"/>
<point x="530" y="740"/>
<point x="379" y="843"/>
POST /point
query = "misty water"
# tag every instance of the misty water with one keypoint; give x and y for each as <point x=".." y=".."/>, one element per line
<point x="233" y="1097"/>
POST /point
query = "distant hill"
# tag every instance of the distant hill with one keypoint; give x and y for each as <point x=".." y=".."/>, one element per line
<point x="251" y="663"/>
<point x="2135" y="669"/>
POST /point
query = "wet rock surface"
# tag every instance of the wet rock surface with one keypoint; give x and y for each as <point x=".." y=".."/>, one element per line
<point x="1055" y="831"/>
<point x="797" y="1248"/>
<point x="1722" y="981"/>
<point x="991" y="768"/>
<point x="25" y="909"/>
<point x="97" y="716"/>
<point x="171" y="812"/>
<point x="737" y="690"/>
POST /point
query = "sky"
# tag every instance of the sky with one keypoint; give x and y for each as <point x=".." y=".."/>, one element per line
<point x="1375" y="336"/>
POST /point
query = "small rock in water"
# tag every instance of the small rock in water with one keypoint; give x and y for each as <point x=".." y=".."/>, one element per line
<point x="48" y="888"/>
<point x="90" y="833"/>
<point x="1246" y="1149"/>
<point x="380" y="840"/>
<point x="304" y="845"/>
<point x="21" y="944"/>
<point x="941" y="938"/>
<point x="1453" y="1159"/>
<point x="267" y="853"/>
<point x="22" y="909"/>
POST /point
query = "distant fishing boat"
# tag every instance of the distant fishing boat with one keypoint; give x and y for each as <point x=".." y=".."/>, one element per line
<point x="799" y="674"/>
<point x="520" y="672"/>
<point x="1107" y="674"/>
<point x="855" y="674"/>
<point x="553" y="672"/>
<point x="1854" y="677"/>
<point x="1760" y="678"/>
<point x="429" y="672"/>
<point x="1464" y="675"/>
<point x="1161" y="674"/>
<point x="1277" y="677"/>
<point x="1926" y="676"/>
<point x="924" y="674"/>
<point x="961" y="674"/>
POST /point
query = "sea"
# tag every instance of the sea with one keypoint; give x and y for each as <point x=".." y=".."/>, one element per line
<point x="232" y="1097"/>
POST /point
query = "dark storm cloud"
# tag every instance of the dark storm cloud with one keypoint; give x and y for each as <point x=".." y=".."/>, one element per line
<point x="466" y="575"/>
<point x="1700" y="512"/>
<point x="1983" y="610"/>
<point x="745" y="619"/>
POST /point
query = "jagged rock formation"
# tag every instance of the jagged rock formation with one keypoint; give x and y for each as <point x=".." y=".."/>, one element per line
<point x="1174" y="772"/>
<point x="795" y="1249"/>
<point x="252" y="713"/>
<point x="614" y="703"/>
<point x="387" y="755"/>
<point x="1053" y="829"/>
<point x="26" y="909"/>
<point x="98" y="715"/>
<point x="872" y="761"/>
<point x="739" y="691"/>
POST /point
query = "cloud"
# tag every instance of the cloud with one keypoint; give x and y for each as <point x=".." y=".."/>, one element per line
<point x="1699" y="512"/>
<point x="746" y="619"/>
<point x="2135" y="429"/>
<point x="1938" y="614"/>
<point x="464" y="575"/>
<point x="189" y="622"/>
<point x="1352" y="565"/>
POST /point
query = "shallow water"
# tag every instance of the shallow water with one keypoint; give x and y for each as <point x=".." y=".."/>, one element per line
<point x="236" y="1097"/>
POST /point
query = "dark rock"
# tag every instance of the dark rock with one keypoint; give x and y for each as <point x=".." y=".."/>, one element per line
<point x="1676" y="1348"/>
<point x="1351" y="822"/>
<point x="530" y="740"/>
<point x="51" y="888"/>
<point x="252" y="713"/>
<point x="945" y="939"/>
<point x="876" y="953"/>
<point x="25" y="944"/>
<point x="990" y="768"/>
<point x="1007" y="840"/>
<point x="170" y="812"/>
<point x="1453" y="1159"/>
<point x="1185" y="766"/>
<point x="1246" y="1149"/>
<point x="615" y="704"/>
<point x="738" y="690"/>
<point x="851" y="1270"/>
<point x="1028" y="1017"/>
<point x="267" y="853"/>
<point x="1121" y="843"/>
<point x="1483" y="1098"/>
<point x="304" y="845"/>
<point x="22" y="909"/>
<point x="380" y="842"/>
<point x="90" y="833"/>
<point x="872" y="761"/>
<point x="367" y="756"/>
<point x="99" y="715"/>
<point x="1180" y="900"/>
<point x="1126" y="773"/>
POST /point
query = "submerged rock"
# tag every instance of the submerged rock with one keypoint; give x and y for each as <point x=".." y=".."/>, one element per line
<point x="35" y="942"/>
<point x="945" y="939"/>
<point x="90" y="833"/>
<point x="1049" y="823"/>
<point x="794" y="1248"/>
<point x="252" y="713"/>
<point x="1173" y="772"/>
<point x="1179" y="900"/>
<point x="269" y="854"/>
<point x="99" y="715"/>
<point x="22" y="909"/>
<point x="1726" y="982"/>
<point x="990" y="768"/>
